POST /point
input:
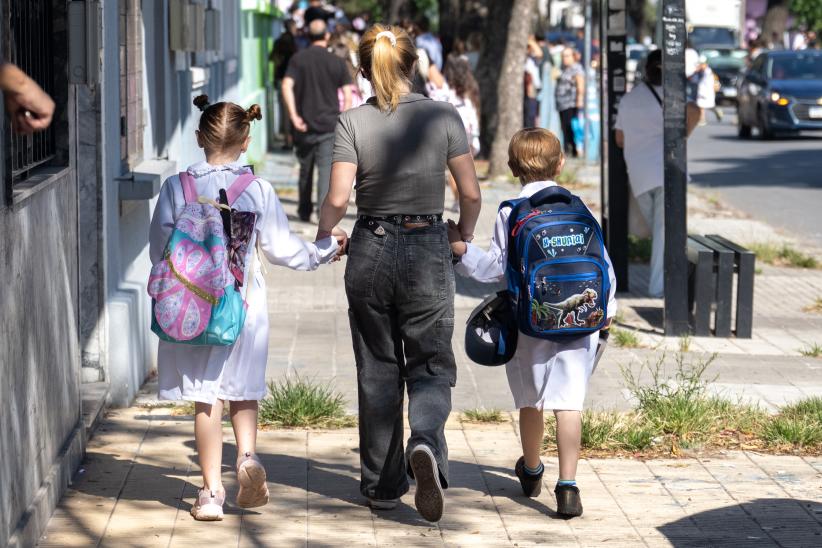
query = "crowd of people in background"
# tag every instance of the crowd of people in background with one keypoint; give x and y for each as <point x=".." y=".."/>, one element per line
<point x="449" y="77"/>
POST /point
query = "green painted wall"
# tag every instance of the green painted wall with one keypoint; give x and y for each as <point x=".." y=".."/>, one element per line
<point x="256" y="20"/>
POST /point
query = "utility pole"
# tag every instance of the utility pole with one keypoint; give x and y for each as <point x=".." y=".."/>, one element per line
<point x="674" y="37"/>
<point x="614" y="173"/>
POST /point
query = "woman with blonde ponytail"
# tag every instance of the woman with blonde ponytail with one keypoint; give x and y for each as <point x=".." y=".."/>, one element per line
<point x="399" y="277"/>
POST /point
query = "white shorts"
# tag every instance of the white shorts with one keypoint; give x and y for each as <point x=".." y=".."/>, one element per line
<point x="549" y="375"/>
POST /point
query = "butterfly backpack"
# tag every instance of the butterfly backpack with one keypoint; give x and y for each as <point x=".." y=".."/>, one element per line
<point x="195" y="289"/>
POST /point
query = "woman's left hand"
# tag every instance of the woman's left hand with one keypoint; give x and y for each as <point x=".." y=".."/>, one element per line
<point x="342" y="240"/>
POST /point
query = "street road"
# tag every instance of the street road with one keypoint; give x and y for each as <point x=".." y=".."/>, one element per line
<point x="779" y="181"/>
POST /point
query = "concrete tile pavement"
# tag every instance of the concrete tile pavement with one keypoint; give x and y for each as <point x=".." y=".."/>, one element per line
<point x="140" y="478"/>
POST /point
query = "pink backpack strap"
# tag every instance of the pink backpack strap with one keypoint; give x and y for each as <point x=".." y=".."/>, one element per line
<point x="189" y="188"/>
<point x="239" y="185"/>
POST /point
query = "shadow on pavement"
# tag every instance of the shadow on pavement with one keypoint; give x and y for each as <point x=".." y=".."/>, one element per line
<point x="761" y="522"/>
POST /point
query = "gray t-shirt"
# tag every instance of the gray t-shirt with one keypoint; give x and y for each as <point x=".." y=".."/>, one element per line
<point x="401" y="156"/>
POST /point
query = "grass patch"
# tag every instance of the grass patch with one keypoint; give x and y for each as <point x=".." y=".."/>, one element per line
<point x="685" y="343"/>
<point x="624" y="338"/>
<point x="490" y="416"/>
<point x="783" y="255"/>
<point x="812" y="351"/>
<point x="675" y="414"/>
<point x="815" y="307"/>
<point x="296" y="402"/>
<point x="798" y="425"/>
<point x="639" y="249"/>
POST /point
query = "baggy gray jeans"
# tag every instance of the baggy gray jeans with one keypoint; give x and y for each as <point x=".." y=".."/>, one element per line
<point x="400" y="288"/>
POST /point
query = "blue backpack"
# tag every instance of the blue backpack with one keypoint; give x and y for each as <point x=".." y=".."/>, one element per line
<point x="557" y="273"/>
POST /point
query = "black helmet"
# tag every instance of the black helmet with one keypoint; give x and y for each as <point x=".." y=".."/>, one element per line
<point x="491" y="334"/>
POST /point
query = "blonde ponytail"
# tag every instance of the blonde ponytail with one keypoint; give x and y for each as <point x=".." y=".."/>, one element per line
<point x="387" y="56"/>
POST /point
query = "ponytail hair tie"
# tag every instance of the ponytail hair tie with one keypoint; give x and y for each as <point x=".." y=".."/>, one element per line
<point x="387" y="34"/>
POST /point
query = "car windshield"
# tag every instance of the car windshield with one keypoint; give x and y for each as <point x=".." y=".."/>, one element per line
<point x="802" y="66"/>
<point x="725" y="59"/>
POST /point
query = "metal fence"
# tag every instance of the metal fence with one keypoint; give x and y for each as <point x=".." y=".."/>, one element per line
<point x="27" y="42"/>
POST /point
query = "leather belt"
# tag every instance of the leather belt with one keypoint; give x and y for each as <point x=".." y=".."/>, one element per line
<point x="418" y="220"/>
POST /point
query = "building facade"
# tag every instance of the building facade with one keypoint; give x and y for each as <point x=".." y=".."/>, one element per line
<point x="76" y="206"/>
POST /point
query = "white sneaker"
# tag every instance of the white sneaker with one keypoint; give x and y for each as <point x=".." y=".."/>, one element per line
<point x="209" y="505"/>
<point x="253" y="487"/>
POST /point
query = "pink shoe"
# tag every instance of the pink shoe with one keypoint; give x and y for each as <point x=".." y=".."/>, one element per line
<point x="209" y="506"/>
<point x="253" y="487"/>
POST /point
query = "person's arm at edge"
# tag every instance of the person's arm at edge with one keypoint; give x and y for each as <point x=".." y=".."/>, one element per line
<point x="22" y="95"/>
<point x="470" y="197"/>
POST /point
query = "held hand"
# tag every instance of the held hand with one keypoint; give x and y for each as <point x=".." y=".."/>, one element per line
<point x="342" y="240"/>
<point x="454" y="234"/>
<point x="607" y="325"/>
<point x="459" y="248"/>
<point x="299" y="124"/>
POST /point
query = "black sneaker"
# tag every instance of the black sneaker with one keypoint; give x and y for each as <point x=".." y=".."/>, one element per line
<point x="569" y="504"/>
<point x="531" y="483"/>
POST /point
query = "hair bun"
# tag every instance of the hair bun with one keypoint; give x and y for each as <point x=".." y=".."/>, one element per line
<point x="201" y="102"/>
<point x="254" y="112"/>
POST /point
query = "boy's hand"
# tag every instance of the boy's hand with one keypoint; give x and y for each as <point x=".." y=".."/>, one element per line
<point x="607" y="325"/>
<point x="458" y="249"/>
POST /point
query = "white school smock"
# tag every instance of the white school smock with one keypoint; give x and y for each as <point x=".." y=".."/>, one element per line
<point x="237" y="372"/>
<point x="542" y="374"/>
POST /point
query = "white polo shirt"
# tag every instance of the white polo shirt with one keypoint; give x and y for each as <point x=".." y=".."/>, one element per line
<point x="640" y="119"/>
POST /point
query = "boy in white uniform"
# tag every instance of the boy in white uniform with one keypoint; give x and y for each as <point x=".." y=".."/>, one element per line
<point x="543" y="374"/>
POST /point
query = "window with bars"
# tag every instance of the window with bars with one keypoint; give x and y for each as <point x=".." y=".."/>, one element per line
<point x="28" y="43"/>
<point x="131" y="83"/>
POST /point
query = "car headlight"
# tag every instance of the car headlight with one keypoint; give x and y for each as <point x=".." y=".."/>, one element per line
<point x="779" y="99"/>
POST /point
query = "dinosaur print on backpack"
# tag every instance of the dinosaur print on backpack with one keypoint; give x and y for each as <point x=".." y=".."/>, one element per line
<point x="556" y="268"/>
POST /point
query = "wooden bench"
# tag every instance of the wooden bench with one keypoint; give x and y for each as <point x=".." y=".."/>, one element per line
<point x="714" y="261"/>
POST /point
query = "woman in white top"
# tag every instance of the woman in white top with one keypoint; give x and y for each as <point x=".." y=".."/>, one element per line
<point x="212" y="375"/>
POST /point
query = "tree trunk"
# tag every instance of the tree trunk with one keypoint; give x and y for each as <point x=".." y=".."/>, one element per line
<point x="510" y="84"/>
<point x="776" y="20"/>
<point x="495" y="33"/>
<point x="394" y="10"/>
<point x="450" y="12"/>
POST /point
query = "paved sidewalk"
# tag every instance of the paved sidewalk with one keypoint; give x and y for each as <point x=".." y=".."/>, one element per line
<point x="140" y="477"/>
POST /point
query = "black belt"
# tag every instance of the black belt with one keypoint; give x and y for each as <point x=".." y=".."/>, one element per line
<point x="404" y="219"/>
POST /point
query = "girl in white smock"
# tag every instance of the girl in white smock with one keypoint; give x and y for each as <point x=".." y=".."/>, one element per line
<point x="212" y="375"/>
